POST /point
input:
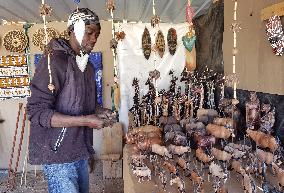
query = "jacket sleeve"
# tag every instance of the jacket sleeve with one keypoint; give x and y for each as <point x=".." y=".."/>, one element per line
<point x="41" y="103"/>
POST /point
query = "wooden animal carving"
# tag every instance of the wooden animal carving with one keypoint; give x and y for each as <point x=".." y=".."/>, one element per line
<point x="203" y="156"/>
<point x="179" y="182"/>
<point x="161" y="150"/>
<point x="248" y="183"/>
<point x="239" y="146"/>
<point x="237" y="166"/>
<point x="204" y="141"/>
<point x="178" y="150"/>
<point x="235" y="152"/>
<point x="182" y="163"/>
<point x="216" y="171"/>
<point x="221" y="155"/>
<point x="142" y="173"/>
<point x="263" y="140"/>
<point x="280" y="175"/>
<point x="195" y="178"/>
<point x="266" y="157"/>
<point x="228" y="122"/>
<point x="222" y="189"/>
<point x="172" y="169"/>
<point x="218" y="131"/>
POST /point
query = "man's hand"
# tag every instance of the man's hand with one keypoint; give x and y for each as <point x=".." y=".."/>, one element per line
<point x="108" y="117"/>
<point x="93" y="121"/>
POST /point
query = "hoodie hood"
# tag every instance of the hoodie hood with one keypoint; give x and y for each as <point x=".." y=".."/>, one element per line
<point x="61" y="44"/>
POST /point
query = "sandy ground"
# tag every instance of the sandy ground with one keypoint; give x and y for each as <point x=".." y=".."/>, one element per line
<point x="37" y="183"/>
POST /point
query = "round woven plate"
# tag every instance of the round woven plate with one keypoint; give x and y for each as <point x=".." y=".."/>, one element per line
<point x="15" y="41"/>
<point x="39" y="37"/>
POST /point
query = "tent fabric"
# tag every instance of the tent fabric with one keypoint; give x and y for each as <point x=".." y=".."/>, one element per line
<point x="130" y="10"/>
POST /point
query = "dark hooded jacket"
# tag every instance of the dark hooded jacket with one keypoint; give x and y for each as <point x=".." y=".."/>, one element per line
<point x="75" y="94"/>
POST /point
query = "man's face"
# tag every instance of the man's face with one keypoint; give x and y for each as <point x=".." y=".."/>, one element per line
<point x="91" y="35"/>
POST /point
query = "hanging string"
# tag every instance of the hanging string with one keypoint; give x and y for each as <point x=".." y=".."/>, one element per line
<point x="113" y="50"/>
<point x="51" y="87"/>
<point x="235" y="47"/>
<point x="27" y="52"/>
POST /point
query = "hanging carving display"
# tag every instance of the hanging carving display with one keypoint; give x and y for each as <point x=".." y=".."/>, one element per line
<point x="146" y="43"/>
<point x="38" y="38"/>
<point x="120" y="35"/>
<point x="189" y="43"/>
<point x="172" y="40"/>
<point x="15" y="41"/>
<point x="155" y="20"/>
<point x="275" y="35"/>
<point x="64" y="35"/>
<point x="189" y="39"/>
<point x="160" y="43"/>
<point x="45" y="9"/>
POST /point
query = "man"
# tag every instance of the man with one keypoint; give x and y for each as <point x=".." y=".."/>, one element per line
<point x="62" y="114"/>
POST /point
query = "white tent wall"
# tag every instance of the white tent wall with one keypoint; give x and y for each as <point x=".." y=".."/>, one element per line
<point x="8" y="108"/>
<point x="132" y="63"/>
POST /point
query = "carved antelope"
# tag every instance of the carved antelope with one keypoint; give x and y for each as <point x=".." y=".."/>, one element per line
<point x="203" y="156"/>
<point x="161" y="150"/>
<point x="197" y="179"/>
<point x="179" y="150"/>
<point x="172" y="169"/>
<point x="280" y="175"/>
<point x="179" y="182"/>
<point x="248" y="183"/>
<point x="218" y="131"/>
<point x="263" y="140"/>
<point x="221" y="155"/>
<point x="217" y="171"/>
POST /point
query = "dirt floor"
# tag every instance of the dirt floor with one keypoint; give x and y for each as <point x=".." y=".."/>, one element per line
<point x="37" y="183"/>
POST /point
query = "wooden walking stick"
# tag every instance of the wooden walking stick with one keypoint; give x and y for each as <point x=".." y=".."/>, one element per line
<point x="21" y="142"/>
<point x="24" y="170"/>
<point x="14" y="143"/>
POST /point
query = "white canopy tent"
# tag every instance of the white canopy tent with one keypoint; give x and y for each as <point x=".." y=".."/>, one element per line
<point x="170" y="11"/>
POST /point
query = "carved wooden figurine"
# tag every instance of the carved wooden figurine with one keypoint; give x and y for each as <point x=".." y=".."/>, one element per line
<point x="263" y="140"/>
<point x="279" y="174"/>
<point x="268" y="119"/>
<point x="203" y="156"/>
<point x="218" y="131"/>
<point x="252" y="111"/>
<point x="179" y="182"/>
<point x="221" y="155"/>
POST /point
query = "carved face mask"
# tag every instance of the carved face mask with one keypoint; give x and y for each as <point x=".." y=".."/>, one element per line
<point x="172" y="40"/>
<point x="146" y="43"/>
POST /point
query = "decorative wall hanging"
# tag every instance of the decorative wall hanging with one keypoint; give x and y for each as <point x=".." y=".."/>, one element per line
<point x="146" y="43"/>
<point x="15" y="41"/>
<point x="275" y="35"/>
<point x="38" y="38"/>
<point x="189" y="39"/>
<point x="172" y="40"/>
<point x="64" y="35"/>
<point x="45" y="9"/>
<point x="160" y="43"/>
<point x="155" y="20"/>
<point x="96" y="60"/>
<point x="119" y="35"/>
<point x="14" y="77"/>
<point x="189" y="43"/>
